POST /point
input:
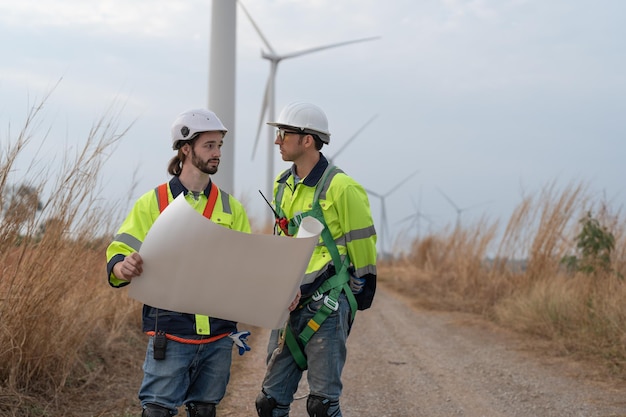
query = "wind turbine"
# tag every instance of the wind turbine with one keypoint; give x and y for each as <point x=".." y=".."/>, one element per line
<point x="383" y="210"/>
<point x="268" y="105"/>
<point x="458" y="209"/>
<point x="417" y="216"/>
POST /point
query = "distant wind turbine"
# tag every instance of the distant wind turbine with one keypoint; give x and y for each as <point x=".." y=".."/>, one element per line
<point x="383" y="212"/>
<point x="417" y="216"/>
<point x="268" y="105"/>
<point x="458" y="209"/>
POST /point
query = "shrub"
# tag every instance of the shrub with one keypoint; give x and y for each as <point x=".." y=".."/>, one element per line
<point x="593" y="248"/>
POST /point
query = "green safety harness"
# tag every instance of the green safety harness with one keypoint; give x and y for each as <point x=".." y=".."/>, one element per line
<point x="334" y="285"/>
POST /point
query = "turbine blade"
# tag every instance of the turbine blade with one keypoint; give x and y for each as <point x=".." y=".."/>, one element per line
<point x="320" y="48"/>
<point x="256" y="27"/>
<point x="404" y="219"/>
<point x="401" y="183"/>
<point x="449" y="200"/>
<point x="375" y="194"/>
<point x="263" y="111"/>
<point x="354" y="136"/>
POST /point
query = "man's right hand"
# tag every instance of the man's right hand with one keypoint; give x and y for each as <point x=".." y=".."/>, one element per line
<point x="129" y="268"/>
<point x="295" y="301"/>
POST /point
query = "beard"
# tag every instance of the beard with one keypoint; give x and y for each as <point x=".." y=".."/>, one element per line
<point x="204" y="165"/>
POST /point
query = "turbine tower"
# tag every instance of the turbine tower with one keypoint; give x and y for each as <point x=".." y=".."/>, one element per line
<point x="269" y="103"/>
<point x="223" y="45"/>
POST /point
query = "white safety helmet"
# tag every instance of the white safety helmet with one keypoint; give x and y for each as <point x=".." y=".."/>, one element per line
<point x="306" y="117"/>
<point x="191" y="122"/>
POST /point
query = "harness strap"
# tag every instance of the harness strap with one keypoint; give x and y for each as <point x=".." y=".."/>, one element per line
<point x="191" y="341"/>
<point x="333" y="285"/>
<point x="163" y="199"/>
<point x="294" y="348"/>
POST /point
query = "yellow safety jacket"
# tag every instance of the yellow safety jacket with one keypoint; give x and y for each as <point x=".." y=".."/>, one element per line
<point x="347" y="215"/>
<point x="347" y="244"/>
<point x="227" y="212"/>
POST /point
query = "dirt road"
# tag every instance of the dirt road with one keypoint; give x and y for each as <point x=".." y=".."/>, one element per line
<point x="405" y="362"/>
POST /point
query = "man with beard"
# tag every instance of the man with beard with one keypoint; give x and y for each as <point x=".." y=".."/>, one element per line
<point x="188" y="356"/>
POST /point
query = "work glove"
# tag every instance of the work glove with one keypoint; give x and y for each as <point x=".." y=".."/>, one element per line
<point x="241" y="339"/>
<point x="356" y="284"/>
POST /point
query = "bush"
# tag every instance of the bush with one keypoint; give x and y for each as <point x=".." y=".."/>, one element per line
<point x="594" y="246"/>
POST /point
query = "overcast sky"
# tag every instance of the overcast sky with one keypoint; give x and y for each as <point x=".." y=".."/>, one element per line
<point x="488" y="99"/>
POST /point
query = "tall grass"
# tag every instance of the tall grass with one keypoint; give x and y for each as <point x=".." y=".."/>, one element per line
<point x="58" y="319"/>
<point x="525" y="286"/>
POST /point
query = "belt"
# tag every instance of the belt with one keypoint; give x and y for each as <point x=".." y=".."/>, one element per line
<point x="191" y="341"/>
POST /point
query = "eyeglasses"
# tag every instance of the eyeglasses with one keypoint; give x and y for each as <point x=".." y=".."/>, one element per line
<point x="280" y="133"/>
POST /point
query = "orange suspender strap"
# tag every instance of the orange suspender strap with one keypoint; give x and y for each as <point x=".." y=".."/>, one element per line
<point x="208" y="209"/>
<point x="162" y="197"/>
<point x="191" y="341"/>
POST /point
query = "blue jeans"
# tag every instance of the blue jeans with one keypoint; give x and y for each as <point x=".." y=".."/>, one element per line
<point x="325" y="353"/>
<point x="189" y="373"/>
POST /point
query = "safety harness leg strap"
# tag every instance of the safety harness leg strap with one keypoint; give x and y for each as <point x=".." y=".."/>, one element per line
<point x="294" y="348"/>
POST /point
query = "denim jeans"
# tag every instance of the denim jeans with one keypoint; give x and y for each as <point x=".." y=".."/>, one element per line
<point x="325" y="353"/>
<point x="189" y="373"/>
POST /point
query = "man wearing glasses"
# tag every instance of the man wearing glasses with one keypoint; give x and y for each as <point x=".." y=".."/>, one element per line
<point x="340" y="277"/>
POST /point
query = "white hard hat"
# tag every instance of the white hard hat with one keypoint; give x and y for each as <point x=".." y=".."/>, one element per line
<point x="191" y="122"/>
<point x="306" y="117"/>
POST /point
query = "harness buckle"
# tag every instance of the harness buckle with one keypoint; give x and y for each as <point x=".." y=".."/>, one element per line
<point x="317" y="296"/>
<point x="330" y="303"/>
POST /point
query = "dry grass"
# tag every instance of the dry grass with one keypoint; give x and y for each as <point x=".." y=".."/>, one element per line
<point x="61" y="328"/>
<point x="72" y="346"/>
<point x="525" y="286"/>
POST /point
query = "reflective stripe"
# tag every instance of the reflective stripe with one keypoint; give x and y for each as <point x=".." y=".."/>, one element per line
<point x="226" y="202"/>
<point x="353" y="235"/>
<point x="326" y="186"/>
<point x="364" y="233"/>
<point x="129" y="240"/>
<point x="369" y="269"/>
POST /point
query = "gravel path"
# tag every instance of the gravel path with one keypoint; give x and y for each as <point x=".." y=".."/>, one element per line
<point x="405" y="362"/>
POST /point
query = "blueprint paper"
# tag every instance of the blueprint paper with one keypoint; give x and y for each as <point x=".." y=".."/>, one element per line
<point x="193" y="265"/>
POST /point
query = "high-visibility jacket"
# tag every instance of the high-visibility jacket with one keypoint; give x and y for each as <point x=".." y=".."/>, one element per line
<point x="228" y="212"/>
<point x="347" y="214"/>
